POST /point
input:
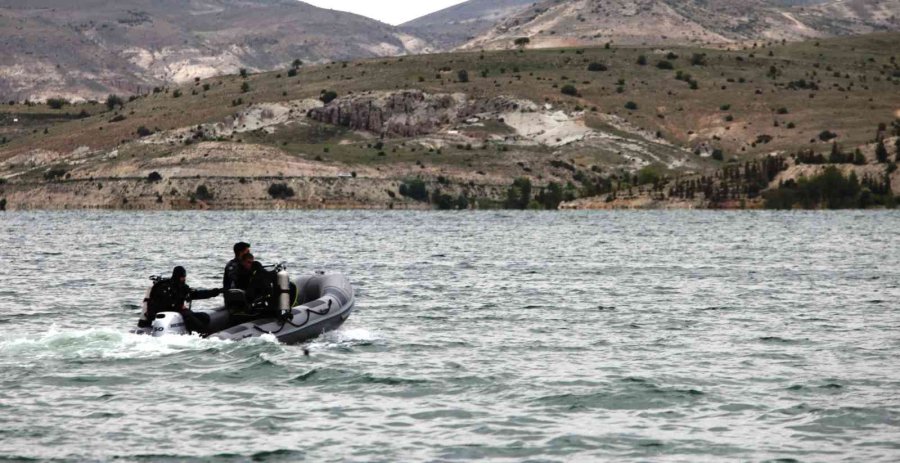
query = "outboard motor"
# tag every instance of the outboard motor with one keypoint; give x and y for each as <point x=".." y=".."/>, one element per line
<point x="167" y="323"/>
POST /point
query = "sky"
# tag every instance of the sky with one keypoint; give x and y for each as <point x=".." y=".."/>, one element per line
<point x="389" y="11"/>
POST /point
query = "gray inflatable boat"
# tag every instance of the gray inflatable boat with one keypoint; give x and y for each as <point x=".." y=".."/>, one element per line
<point x="320" y="303"/>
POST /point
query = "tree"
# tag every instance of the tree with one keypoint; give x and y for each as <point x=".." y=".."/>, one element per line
<point x="552" y="196"/>
<point x="244" y="73"/>
<point x="281" y="191"/>
<point x="57" y="103"/>
<point x="881" y="153"/>
<point x="642" y="60"/>
<point x="570" y="90"/>
<point x="665" y="65"/>
<point x="522" y="41"/>
<point x="328" y="96"/>
<point x="3" y="204"/>
<point x="154" y="177"/>
<point x="858" y="158"/>
<point x="519" y="194"/>
<point x="292" y="72"/>
<point x="296" y="64"/>
<point x="202" y="193"/>
<point x="698" y="59"/>
<point x="143" y="131"/>
<point x="245" y="87"/>
<point x="597" y="67"/>
<point x="897" y="146"/>
<point x="114" y="101"/>
<point x="463" y="75"/>
<point x="631" y="106"/>
<point x="414" y="189"/>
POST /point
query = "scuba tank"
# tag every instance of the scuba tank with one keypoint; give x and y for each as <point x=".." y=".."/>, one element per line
<point x="283" y="280"/>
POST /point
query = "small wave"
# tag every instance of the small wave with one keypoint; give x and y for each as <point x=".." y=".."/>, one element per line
<point x="99" y="343"/>
<point x="343" y="339"/>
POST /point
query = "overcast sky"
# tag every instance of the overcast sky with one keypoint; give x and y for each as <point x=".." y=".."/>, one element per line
<point x="389" y="11"/>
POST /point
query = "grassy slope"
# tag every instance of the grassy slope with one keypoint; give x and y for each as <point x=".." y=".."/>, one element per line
<point x="851" y="106"/>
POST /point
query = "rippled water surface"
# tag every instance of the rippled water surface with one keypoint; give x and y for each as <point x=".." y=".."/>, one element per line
<point x="687" y="336"/>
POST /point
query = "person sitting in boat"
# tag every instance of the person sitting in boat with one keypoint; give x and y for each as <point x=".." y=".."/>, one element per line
<point x="257" y="285"/>
<point x="233" y="268"/>
<point x="169" y="295"/>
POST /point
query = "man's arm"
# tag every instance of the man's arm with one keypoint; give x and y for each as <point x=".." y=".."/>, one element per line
<point x="232" y="274"/>
<point x="200" y="294"/>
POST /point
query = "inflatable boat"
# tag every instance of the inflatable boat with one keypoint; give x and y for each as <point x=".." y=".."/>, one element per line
<point x="309" y="306"/>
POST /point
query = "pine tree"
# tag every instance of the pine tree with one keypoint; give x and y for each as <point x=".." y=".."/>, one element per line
<point x="881" y="152"/>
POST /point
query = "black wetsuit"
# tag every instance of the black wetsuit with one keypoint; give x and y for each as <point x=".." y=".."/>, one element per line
<point x="172" y="297"/>
<point x="232" y="275"/>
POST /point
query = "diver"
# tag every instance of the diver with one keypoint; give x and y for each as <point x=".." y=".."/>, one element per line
<point x="258" y="287"/>
<point x="233" y="268"/>
<point x="169" y="295"/>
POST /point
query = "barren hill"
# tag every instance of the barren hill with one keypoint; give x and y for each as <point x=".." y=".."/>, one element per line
<point x="556" y="23"/>
<point x="454" y="26"/>
<point x="89" y="48"/>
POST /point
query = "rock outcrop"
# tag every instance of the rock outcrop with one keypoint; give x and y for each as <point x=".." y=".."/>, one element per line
<point x="409" y="113"/>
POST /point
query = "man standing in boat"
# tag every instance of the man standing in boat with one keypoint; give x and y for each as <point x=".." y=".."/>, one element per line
<point x="233" y="268"/>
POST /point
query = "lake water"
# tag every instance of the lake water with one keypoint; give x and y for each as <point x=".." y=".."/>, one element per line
<point x="621" y="336"/>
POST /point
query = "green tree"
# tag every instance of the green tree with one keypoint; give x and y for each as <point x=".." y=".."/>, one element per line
<point x="114" y="101"/>
<point x="244" y="73"/>
<point x="328" y="96"/>
<point x="519" y="194"/>
<point x="414" y="189"/>
<point x="552" y="196"/>
<point x="642" y="60"/>
<point x="463" y="75"/>
<point x="522" y="41"/>
<point x="569" y="90"/>
<point x="245" y="87"/>
<point x="881" y="153"/>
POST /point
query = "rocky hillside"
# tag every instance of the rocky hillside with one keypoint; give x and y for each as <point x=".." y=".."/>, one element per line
<point x="90" y="48"/>
<point x="454" y="26"/>
<point x="458" y="129"/>
<point x="557" y="23"/>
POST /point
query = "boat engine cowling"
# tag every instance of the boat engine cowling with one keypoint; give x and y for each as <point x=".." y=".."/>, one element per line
<point x="167" y="323"/>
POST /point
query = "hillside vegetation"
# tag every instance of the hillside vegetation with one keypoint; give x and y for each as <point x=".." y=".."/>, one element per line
<point x="579" y="121"/>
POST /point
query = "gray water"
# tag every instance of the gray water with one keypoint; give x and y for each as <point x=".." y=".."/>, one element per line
<point x="657" y="336"/>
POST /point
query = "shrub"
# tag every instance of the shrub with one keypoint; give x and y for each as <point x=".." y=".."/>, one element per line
<point x="154" y="177"/>
<point x="666" y="65"/>
<point x="519" y="194"/>
<point x="245" y="87"/>
<point x="328" y="96"/>
<point x="698" y="59"/>
<point x="718" y="155"/>
<point x="281" y="191"/>
<point x="463" y="76"/>
<point x="57" y="103"/>
<point x="725" y="107"/>
<point x="414" y="189"/>
<point x="782" y="111"/>
<point x="522" y="41"/>
<point x="202" y="193"/>
<point x="631" y="106"/>
<point x="3" y="204"/>
<point x="569" y="90"/>
<point x="54" y="173"/>
<point x="597" y="67"/>
<point x="642" y="60"/>
<point x="118" y="118"/>
<point x="244" y="73"/>
<point x="143" y="131"/>
<point x="176" y="93"/>
<point x="292" y="72"/>
<point x="443" y="201"/>
<point x="827" y="135"/>
<point x="114" y="101"/>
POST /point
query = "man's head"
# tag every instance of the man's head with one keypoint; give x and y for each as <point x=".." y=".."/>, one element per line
<point x="247" y="261"/>
<point x="240" y="249"/>
<point x="179" y="274"/>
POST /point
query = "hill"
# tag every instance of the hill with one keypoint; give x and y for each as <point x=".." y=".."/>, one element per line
<point x="90" y="48"/>
<point x="434" y="130"/>
<point x="454" y="26"/>
<point x="555" y="23"/>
